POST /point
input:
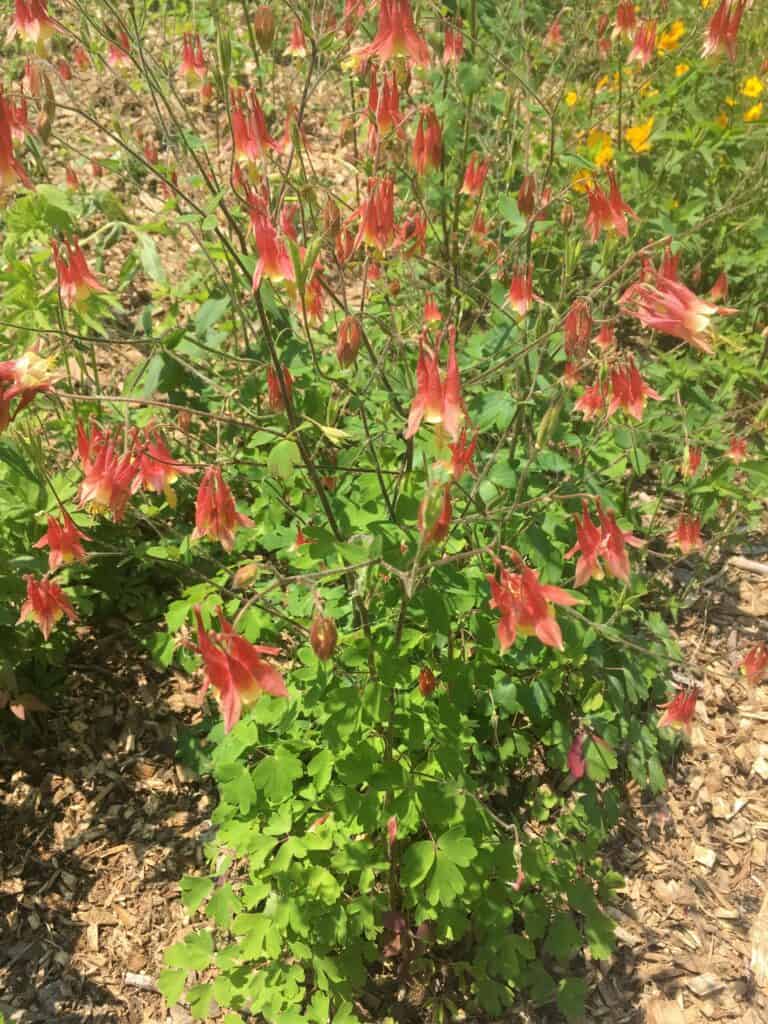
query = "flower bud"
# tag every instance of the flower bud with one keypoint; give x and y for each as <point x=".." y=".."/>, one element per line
<point x="526" y="197"/>
<point x="348" y="337"/>
<point x="264" y="27"/>
<point x="427" y="682"/>
<point x="331" y="217"/>
<point x="322" y="636"/>
<point x="566" y="215"/>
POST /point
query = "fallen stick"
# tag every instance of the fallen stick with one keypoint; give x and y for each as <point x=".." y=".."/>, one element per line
<point x="749" y="565"/>
<point x="142" y="981"/>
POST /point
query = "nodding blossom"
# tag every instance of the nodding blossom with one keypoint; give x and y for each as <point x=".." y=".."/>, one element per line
<point x="396" y="36"/>
<point x="46" y="604"/>
<point x="526" y="606"/>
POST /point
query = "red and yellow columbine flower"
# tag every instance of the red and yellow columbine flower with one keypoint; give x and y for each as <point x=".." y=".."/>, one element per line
<point x="297" y="44"/>
<point x="108" y="476"/>
<point x="679" y="712"/>
<point x="156" y="469"/>
<point x="275" y="398"/>
<point x="23" y="378"/>
<point x="396" y="36"/>
<point x="592" y="402"/>
<point x="453" y="46"/>
<point x="687" y="534"/>
<point x="11" y="170"/>
<point x="607" y="211"/>
<point x="577" y="327"/>
<point x="32" y="23"/>
<point x="474" y="176"/>
<point x="234" y="667"/>
<point x="526" y="606"/>
<point x="737" y="449"/>
<point x="377" y="215"/>
<point x="626" y="19"/>
<point x="691" y="461"/>
<point x="644" y="43"/>
<point x="348" y="337"/>
<point x="46" y="604"/>
<point x="119" y="52"/>
<point x="437" y="400"/>
<point x="434" y="515"/>
<point x="216" y="516"/>
<point x="723" y="29"/>
<point x="77" y="282"/>
<point x="462" y="456"/>
<point x="427" y="153"/>
<point x="607" y="542"/>
<point x="754" y="666"/>
<point x="667" y="306"/>
<point x="193" y="68"/>
<point x="629" y="391"/>
<point x="250" y="135"/>
<point x="63" y="540"/>
<point x="521" y="294"/>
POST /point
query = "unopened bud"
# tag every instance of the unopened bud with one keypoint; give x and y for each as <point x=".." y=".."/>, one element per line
<point x="348" y="337"/>
<point x="566" y="215"/>
<point x="427" y="682"/>
<point x="323" y="636"/>
<point x="264" y="27"/>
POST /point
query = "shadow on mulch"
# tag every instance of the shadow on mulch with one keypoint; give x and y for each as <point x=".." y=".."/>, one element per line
<point x="97" y="825"/>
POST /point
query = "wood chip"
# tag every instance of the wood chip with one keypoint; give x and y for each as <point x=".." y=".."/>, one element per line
<point x="703" y="855"/>
<point x="704" y="985"/>
<point x="663" y="1011"/>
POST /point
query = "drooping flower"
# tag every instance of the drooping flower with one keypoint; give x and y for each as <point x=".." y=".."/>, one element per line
<point x="614" y="551"/>
<point x="411" y="235"/>
<point x="629" y="391"/>
<point x="453" y="47"/>
<point x="46" y="604"/>
<point x="107" y="475"/>
<point x="526" y="196"/>
<point x="589" y="540"/>
<point x="192" y="68"/>
<point x="462" y="456"/>
<point x="274" y="261"/>
<point x="63" y="540"/>
<point x="11" y="170"/>
<point x="118" y="53"/>
<point x="216" y="516"/>
<point x="80" y="57"/>
<point x="474" y="176"/>
<point x="606" y="541"/>
<point x="605" y="338"/>
<point x="77" y="282"/>
<point x="553" y="37"/>
<point x="437" y="400"/>
<point x="719" y="289"/>
<point x="754" y="666"/>
<point x="156" y="469"/>
<point x="737" y="449"/>
<point x="592" y="401"/>
<point x="23" y="378"/>
<point x="667" y="306"/>
<point x="577" y="327"/>
<point x="431" y="314"/>
<point x="626" y="19"/>
<point x="236" y="669"/>
<point x="396" y="36"/>
<point x="723" y="29"/>
<point x="687" y="534"/>
<point x="275" y="398"/>
<point x="32" y="23"/>
<point x="348" y="337"/>
<point x="644" y="43"/>
<point x="377" y="215"/>
<point x="526" y="606"/>
<point x="427" y="153"/>
<point x="691" y="461"/>
<point x="434" y="515"/>
<point x="264" y="27"/>
<point x="250" y="135"/>
<point x="521" y="294"/>
<point x="297" y="44"/>
<point x="679" y="712"/>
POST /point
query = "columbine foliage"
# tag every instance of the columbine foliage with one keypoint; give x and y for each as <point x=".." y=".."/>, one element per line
<point x="380" y="374"/>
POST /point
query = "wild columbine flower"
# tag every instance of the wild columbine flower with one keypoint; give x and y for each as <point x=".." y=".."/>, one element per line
<point x="670" y="266"/>
<point x="737" y="449"/>
<point x="156" y="469"/>
<point x="411" y="234"/>
<point x="526" y="606"/>
<point x="614" y="552"/>
<point x="434" y="515"/>
<point x="521" y="294"/>
<point x="236" y="669"/>
<point x="193" y="68"/>
<point x="297" y="44"/>
<point x="275" y="398"/>
<point x="32" y="23"/>
<point x="108" y="476"/>
<point x="691" y="461"/>
<point x="80" y="57"/>
<point x="754" y="666"/>
<point x="453" y="47"/>
<point x="719" y="289"/>
<point x="526" y="196"/>
<point x="577" y="327"/>
<point x="679" y="712"/>
<point x="118" y="54"/>
<point x="607" y="211"/>
<point x="63" y="540"/>
<point x="571" y="375"/>
<point x="216" y="516"/>
<point x="644" y="43"/>
<point x="23" y="378"/>
<point x="427" y="151"/>
<point x="250" y="135"/>
<point x="19" y="116"/>
<point x="11" y="170"/>
<point x="396" y="36"/>
<point x="626" y="19"/>
<point x="274" y="261"/>
<point x="462" y="456"/>
<point x="65" y="71"/>
<point x="553" y="37"/>
<point x="629" y="391"/>
<point x="436" y="400"/>
<point x="687" y="534"/>
<point x="577" y="764"/>
<point x="377" y="215"/>
<point x="431" y="314"/>
<point x="592" y="403"/>
<point x="348" y="337"/>
<point x="384" y="113"/>
<point x="474" y="176"/>
<point x="323" y="636"/>
<point x="605" y="338"/>
<point x="77" y="282"/>
<point x="669" y="307"/>
<point x="427" y="682"/>
<point x="723" y="29"/>
<point x="46" y="604"/>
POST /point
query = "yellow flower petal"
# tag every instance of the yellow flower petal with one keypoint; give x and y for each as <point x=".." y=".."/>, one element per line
<point x="682" y="69"/>
<point x="582" y="181"/>
<point x="752" y="87"/>
<point x="754" y="113"/>
<point x="639" y="136"/>
<point x="571" y="98"/>
<point x="600" y="147"/>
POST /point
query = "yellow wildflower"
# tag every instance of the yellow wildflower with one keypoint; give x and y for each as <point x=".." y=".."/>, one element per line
<point x="670" y="40"/>
<point x="647" y="89"/>
<point x="638" y="136"/>
<point x="754" y="113"/>
<point x="682" y="69"/>
<point x="705" y="3"/>
<point x="600" y="147"/>
<point x="582" y="181"/>
<point x="602" y="83"/>
<point x="730" y="101"/>
<point x="571" y="98"/>
<point x="752" y="87"/>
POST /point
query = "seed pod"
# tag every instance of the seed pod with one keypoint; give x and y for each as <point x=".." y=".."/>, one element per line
<point x="348" y="339"/>
<point x="566" y="215"/>
<point x="323" y="636"/>
<point x="264" y="27"/>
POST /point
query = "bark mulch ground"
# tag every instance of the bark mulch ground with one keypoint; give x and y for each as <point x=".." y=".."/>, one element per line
<point x="98" y="822"/>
